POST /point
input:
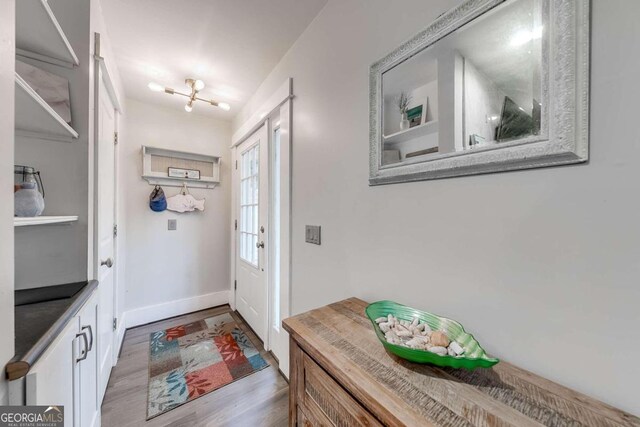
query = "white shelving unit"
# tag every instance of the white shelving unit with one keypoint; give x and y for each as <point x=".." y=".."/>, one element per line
<point x="39" y="35"/>
<point x="43" y="220"/>
<point x="34" y="117"/>
<point x="412" y="133"/>
<point x="155" y="163"/>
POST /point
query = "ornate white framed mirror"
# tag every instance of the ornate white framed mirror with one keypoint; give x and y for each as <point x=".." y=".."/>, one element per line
<point x="490" y="86"/>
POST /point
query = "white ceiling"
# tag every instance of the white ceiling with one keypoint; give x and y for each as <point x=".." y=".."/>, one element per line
<point x="230" y="45"/>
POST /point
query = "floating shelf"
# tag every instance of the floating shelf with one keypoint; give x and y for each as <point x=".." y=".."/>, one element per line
<point x="43" y="220"/>
<point x="412" y="133"/>
<point x="34" y="117"/>
<point x="40" y="36"/>
<point x="156" y="161"/>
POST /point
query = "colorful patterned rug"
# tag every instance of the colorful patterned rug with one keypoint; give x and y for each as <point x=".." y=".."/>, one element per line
<point x="189" y="361"/>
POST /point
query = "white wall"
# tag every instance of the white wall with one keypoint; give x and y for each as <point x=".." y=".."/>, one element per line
<point x="7" y="56"/>
<point x="187" y="269"/>
<point x="540" y="265"/>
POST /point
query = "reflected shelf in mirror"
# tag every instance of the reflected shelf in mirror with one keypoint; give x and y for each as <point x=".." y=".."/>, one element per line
<point x="412" y="133"/>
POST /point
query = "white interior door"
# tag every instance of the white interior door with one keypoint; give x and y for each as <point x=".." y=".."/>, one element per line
<point x="252" y="245"/>
<point x="105" y="235"/>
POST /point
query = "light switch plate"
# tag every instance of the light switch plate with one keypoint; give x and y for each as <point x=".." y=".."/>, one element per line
<point x="172" y="224"/>
<point x="312" y="234"/>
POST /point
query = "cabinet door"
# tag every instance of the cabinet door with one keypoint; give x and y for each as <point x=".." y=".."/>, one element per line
<point x="53" y="379"/>
<point x="88" y="393"/>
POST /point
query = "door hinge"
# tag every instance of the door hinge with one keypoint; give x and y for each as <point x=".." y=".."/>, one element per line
<point x="115" y="137"/>
<point x="235" y="285"/>
<point x="115" y="323"/>
<point x="235" y="224"/>
<point x="236" y="164"/>
<point x="115" y="230"/>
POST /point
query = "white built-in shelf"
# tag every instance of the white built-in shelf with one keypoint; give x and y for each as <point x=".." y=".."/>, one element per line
<point x="34" y="117"/>
<point x="412" y="133"/>
<point x="42" y="220"/>
<point x="40" y="36"/>
<point x="156" y="161"/>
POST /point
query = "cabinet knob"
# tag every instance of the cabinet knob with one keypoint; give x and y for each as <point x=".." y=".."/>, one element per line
<point x="108" y="262"/>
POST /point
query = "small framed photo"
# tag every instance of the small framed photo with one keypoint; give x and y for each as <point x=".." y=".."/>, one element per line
<point x="184" y="173"/>
<point x="418" y="114"/>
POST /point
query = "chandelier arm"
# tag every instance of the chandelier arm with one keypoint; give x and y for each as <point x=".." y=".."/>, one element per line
<point x="208" y="101"/>
<point x="180" y="93"/>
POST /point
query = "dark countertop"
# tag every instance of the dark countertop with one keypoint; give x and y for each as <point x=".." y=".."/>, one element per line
<point x="40" y="315"/>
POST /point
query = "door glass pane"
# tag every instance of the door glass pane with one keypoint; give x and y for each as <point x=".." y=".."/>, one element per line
<point x="249" y="183"/>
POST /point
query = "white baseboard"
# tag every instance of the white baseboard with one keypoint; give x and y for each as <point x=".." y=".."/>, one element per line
<point x="153" y="313"/>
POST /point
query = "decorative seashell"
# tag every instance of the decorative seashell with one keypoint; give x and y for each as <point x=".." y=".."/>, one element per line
<point x="442" y="351"/>
<point x="392" y="337"/>
<point x="456" y="348"/>
<point x="417" y="335"/>
<point x="439" y="339"/>
<point x="414" y="343"/>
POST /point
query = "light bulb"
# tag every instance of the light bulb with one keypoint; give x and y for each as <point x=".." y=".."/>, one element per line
<point x="198" y="85"/>
<point x="188" y="108"/>
<point x="224" y="106"/>
<point x="155" y="87"/>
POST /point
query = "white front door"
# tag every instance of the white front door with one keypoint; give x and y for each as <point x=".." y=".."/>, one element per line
<point x="252" y="245"/>
<point x="105" y="235"/>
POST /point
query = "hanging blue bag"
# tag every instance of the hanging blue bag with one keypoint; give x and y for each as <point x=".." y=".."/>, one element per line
<point x="157" y="199"/>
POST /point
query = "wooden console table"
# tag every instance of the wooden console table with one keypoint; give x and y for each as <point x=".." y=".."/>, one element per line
<point x="341" y="375"/>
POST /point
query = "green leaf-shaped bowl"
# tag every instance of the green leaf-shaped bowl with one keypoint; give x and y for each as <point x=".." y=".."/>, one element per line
<point x="473" y="357"/>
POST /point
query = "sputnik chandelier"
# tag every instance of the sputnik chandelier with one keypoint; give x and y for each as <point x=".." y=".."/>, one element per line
<point x="195" y="86"/>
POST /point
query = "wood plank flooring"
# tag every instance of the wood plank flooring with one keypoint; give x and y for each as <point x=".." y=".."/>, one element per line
<point x="261" y="399"/>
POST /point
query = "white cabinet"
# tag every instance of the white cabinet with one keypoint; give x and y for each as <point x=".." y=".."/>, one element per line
<point x="66" y="374"/>
<point x="87" y="399"/>
<point x="53" y="379"/>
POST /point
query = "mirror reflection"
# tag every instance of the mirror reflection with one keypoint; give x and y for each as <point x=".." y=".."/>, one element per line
<point x="479" y="86"/>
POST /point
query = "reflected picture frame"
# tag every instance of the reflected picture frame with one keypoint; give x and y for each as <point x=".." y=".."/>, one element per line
<point x="564" y="135"/>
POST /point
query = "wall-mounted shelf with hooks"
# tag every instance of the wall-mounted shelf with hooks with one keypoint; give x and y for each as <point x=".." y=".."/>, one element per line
<point x="40" y="36"/>
<point x="157" y="161"/>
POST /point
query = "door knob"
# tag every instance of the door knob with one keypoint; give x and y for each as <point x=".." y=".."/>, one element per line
<point x="260" y="245"/>
<point x="108" y="262"/>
